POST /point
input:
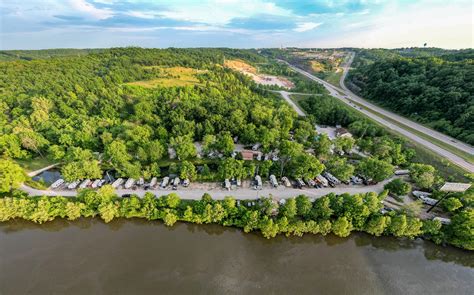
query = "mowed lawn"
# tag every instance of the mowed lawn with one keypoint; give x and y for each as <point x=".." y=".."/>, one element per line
<point x="172" y="77"/>
<point x="34" y="164"/>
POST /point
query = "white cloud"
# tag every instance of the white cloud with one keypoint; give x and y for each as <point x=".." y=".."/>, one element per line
<point x="446" y="24"/>
<point x="307" y="26"/>
<point x="221" y="12"/>
<point x="90" y="10"/>
<point x="141" y="14"/>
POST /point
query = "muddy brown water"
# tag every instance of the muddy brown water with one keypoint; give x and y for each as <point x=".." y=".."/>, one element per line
<point x="140" y="257"/>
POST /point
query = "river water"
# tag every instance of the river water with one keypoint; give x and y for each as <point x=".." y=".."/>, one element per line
<point x="140" y="257"/>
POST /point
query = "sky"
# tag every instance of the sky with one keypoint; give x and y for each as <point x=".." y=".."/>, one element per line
<point x="40" y="24"/>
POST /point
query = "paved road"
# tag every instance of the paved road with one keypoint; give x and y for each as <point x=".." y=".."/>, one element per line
<point x="218" y="193"/>
<point x="347" y="97"/>
<point x="435" y="134"/>
<point x="286" y="96"/>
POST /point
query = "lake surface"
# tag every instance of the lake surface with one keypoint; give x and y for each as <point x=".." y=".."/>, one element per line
<point x="140" y="257"/>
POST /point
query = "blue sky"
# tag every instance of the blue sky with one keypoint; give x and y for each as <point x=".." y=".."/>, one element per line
<point x="37" y="24"/>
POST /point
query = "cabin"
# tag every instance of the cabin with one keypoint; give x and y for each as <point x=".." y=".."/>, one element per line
<point x="247" y="155"/>
<point x="342" y="132"/>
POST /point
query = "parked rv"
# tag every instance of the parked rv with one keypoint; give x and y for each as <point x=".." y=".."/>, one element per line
<point x="445" y="221"/>
<point x="256" y="146"/>
<point x="118" y="182"/>
<point x="129" y="183"/>
<point x="402" y="172"/>
<point x="73" y="184"/>
<point x="258" y="182"/>
<point x="95" y="183"/>
<point x="286" y="181"/>
<point x="57" y="183"/>
<point x="300" y="183"/>
<point x="164" y="182"/>
<point x="175" y="183"/>
<point x="273" y="180"/>
<point x="153" y="182"/>
<point x="227" y="184"/>
<point x="186" y="182"/>
<point x="141" y="181"/>
<point x="322" y="180"/>
<point x="331" y="178"/>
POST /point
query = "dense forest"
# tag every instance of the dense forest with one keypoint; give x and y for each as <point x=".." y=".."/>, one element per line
<point x="431" y="86"/>
<point x="124" y="109"/>
<point x="337" y="214"/>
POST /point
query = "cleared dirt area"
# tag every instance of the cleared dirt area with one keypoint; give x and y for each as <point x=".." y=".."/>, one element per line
<point x="172" y="77"/>
<point x="262" y="79"/>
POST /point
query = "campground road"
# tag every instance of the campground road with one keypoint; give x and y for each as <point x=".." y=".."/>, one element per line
<point x="219" y="193"/>
<point x="286" y="96"/>
<point x="349" y="98"/>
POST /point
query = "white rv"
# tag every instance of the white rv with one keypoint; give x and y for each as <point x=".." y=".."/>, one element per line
<point x="273" y="180"/>
<point x="130" y="182"/>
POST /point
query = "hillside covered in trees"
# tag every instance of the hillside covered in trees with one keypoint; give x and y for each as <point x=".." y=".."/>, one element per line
<point x="431" y="86"/>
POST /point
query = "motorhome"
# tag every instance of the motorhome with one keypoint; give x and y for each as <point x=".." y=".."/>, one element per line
<point x="322" y="180"/>
<point x="273" y="180"/>
<point x="175" y="183"/>
<point x="227" y="184"/>
<point x="118" y="182"/>
<point x="258" y="182"/>
<point x="141" y="181"/>
<point x="331" y="178"/>
<point x="286" y="181"/>
<point x="73" y="185"/>
<point x="153" y="182"/>
<point x="256" y="146"/>
<point x="443" y="220"/>
<point x="186" y="182"/>
<point x="402" y="172"/>
<point x="95" y="183"/>
<point x="165" y="182"/>
<point x="130" y="182"/>
<point x="57" y="183"/>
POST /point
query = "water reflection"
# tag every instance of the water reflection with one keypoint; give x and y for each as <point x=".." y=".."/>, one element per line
<point x="430" y="251"/>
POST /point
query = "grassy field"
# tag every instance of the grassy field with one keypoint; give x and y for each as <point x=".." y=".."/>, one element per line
<point x="172" y="77"/>
<point x="34" y="164"/>
<point x="334" y="77"/>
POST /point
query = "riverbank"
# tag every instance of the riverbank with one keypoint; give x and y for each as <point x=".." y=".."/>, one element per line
<point x="337" y="214"/>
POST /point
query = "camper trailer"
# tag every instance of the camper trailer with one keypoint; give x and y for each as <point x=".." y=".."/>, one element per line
<point x="117" y="183"/>
<point x="165" y="182"/>
<point x="130" y="182"/>
<point x="273" y="180"/>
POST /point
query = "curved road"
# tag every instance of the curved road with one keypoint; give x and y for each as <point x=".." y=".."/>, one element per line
<point x="348" y="97"/>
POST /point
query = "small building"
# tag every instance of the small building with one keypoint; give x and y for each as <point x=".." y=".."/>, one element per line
<point x="247" y="155"/>
<point x="342" y="132"/>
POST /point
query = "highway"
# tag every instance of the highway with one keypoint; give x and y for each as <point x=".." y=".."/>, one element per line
<point x="349" y="98"/>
